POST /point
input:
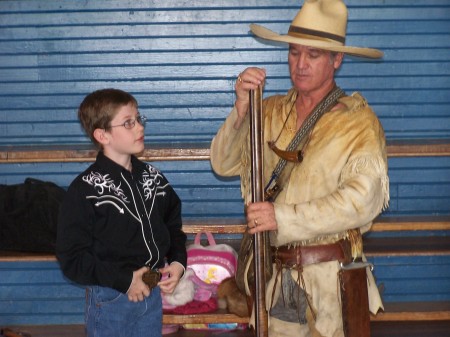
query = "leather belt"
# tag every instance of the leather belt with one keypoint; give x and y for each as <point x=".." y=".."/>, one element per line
<point x="290" y="256"/>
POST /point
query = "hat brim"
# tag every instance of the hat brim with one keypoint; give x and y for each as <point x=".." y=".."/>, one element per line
<point x="267" y="34"/>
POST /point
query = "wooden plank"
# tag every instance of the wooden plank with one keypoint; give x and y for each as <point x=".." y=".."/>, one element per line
<point x="85" y="153"/>
<point x="411" y="223"/>
<point x="221" y="316"/>
<point x="417" y="148"/>
<point x="381" y="224"/>
<point x="405" y="311"/>
<point x="13" y="256"/>
<point x="215" y="226"/>
<point x="416" y="311"/>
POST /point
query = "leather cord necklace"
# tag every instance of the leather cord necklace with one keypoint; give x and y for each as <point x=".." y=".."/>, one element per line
<point x="291" y="154"/>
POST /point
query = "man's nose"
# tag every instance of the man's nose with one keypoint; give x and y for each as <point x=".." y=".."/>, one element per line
<point x="301" y="61"/>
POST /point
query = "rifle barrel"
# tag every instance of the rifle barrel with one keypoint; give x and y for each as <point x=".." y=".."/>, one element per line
<point x="257" y="146"/>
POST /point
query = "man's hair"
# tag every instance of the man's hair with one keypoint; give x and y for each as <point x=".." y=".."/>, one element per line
<point x="100" y="107"/>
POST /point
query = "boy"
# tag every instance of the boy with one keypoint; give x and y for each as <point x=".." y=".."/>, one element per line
<point x="120" y="219"/>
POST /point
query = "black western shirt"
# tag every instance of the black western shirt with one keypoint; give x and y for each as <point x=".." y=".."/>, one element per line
<point x="113" y="222"/>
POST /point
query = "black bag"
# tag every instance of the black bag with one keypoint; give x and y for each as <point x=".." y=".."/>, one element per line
<point x="29" y="215"/>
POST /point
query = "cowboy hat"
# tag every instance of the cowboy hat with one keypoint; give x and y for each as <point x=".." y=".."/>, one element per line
<point x="320" y="24"/>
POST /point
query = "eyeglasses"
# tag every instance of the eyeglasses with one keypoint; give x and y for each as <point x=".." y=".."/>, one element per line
<point x="130" y="123"/>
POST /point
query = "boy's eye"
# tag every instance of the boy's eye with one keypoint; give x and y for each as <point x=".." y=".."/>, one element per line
<point x="129" y="123"/>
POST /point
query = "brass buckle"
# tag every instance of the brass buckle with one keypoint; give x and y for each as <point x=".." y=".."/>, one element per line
<point x="151" y="278"/>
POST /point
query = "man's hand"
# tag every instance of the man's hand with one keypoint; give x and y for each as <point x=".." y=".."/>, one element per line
<point x="261" y="217"/>
<point x="247" y="80"/>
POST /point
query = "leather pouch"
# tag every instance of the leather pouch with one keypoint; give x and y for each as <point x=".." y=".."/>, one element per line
<point x="355" y="302"/>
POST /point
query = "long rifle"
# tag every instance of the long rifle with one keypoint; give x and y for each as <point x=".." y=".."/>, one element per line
<point x="260" y="239"/>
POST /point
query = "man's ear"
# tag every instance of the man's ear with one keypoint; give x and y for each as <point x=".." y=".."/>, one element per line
<point x="101" y="136"/>
<point x="338" y="60"/>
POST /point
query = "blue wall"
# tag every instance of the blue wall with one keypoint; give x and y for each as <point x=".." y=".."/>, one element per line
<point x="180" y="60"/>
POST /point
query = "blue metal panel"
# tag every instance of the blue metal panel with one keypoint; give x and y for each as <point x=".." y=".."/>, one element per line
<point x="419" y="186"/>
<point x="413" y="278"/>
<point x="38" y="293"/>
<point x="181" y="63"/>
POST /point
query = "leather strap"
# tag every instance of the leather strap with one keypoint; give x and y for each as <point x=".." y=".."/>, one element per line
<point x="290" y="256"/>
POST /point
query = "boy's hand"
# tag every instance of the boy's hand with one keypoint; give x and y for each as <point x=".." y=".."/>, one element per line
<point x="174" y="272"/>
<point x="138" y="289"/>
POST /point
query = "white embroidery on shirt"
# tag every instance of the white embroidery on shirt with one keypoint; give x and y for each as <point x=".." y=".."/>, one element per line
<point x="151" y="181"/>
<point x="102" y="183"/>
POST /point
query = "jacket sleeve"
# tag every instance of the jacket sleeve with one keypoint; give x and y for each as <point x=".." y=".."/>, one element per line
<point x="226" y="147"/>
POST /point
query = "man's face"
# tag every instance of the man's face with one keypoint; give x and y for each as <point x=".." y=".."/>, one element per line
<point x="312" y="69"/>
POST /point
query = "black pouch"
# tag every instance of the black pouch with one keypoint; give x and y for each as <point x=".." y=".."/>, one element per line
<point x="29" y="215"/>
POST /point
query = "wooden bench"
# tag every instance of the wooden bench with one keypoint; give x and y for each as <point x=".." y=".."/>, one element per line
<point x="374" y="247"/>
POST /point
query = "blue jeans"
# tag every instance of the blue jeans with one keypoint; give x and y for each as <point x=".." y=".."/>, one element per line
<point x="109" y="313"/>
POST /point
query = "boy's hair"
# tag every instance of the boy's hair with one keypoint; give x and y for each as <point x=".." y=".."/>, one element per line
<point x="99" y="108"/>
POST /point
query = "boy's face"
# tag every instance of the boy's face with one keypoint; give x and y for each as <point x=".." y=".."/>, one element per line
<point x="123" y="142"/>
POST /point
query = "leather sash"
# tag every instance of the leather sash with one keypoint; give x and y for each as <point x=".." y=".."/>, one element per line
<point x="290" y="256"/>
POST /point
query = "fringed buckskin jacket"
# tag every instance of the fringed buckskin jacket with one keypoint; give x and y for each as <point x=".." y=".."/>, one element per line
<point x="341" y="184"/>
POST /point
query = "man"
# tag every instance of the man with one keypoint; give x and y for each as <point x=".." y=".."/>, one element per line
<point x="332" y="183"/>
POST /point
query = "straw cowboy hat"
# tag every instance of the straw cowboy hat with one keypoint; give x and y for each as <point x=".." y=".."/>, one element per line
<point x="320" y="24"/>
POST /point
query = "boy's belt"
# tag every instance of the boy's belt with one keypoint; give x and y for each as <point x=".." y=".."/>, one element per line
<point x="290" y="256"/>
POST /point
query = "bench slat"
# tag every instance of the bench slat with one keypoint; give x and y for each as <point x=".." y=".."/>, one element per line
<point x="405" y="311"/>
<point x="85" y="153"/>
<point x="373" y="246"/>
<point x="414" y="311"/>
